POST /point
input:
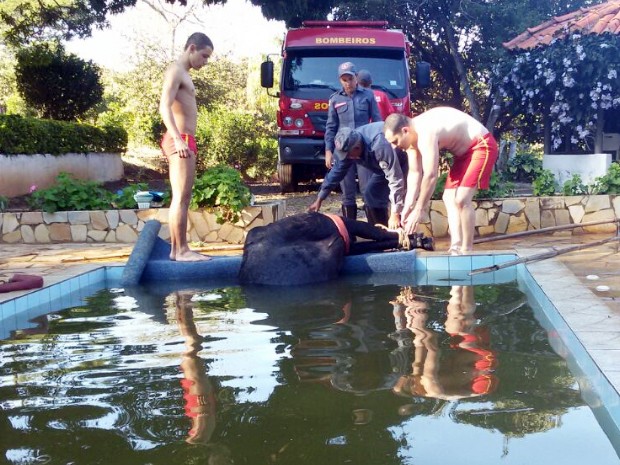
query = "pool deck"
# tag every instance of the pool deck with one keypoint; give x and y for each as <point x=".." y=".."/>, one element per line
<point x="567" y="280"/>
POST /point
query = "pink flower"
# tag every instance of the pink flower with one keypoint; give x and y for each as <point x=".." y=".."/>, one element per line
<point x="33" y="188"/>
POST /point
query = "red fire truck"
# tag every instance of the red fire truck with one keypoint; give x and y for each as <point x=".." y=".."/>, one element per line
<point x="311" y="55"/>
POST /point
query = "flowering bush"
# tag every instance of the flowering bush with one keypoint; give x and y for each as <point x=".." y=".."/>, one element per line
<point x="573" y="79"/>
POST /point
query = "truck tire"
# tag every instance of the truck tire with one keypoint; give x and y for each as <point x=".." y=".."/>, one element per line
<point x="286" y="176"/>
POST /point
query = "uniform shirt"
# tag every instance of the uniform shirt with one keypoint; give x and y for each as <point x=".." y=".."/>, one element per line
<point x="377" y="156"/>
<point x="350" y="112"/>
<point x="384" y="104"/>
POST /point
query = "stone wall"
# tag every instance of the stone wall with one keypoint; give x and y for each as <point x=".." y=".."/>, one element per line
<point x="504" y="216"/>
<point x="125" y="225"/>
<point x="499" y="216"/>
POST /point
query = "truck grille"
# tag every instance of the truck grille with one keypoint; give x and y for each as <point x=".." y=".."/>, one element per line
<point x="319" y="119"/>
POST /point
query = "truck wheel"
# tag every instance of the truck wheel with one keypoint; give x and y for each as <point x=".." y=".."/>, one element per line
<point x="286" y="177"/>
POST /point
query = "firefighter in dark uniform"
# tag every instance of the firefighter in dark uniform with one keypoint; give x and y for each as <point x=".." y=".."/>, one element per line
<point x="350" y="107"/>
<point x="367" y="147"/>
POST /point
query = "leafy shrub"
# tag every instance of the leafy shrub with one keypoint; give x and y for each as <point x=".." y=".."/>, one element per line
<point x="574" y="186"/>
<point x="439" y="187"/>
<point x="610" y="182"/>
<point x="4" y="203"/>
<point x="524" y="167"/>
<point x="222" y="191"/>
<point x="544" y="184"/>
<point x="24" y="135"/>
<point x="236" y="138"/>
<point x="124" y="198"/>
<point x="497" y="188"/>
<point x="70" y="194"/>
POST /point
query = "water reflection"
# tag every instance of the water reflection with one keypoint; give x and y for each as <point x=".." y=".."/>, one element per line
<point x="465" y="368"/>
<point x="199" y="391"/>
<point x="347" y="372"/>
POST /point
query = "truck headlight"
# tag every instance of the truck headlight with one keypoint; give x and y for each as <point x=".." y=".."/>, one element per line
<point x="299" y="122"/>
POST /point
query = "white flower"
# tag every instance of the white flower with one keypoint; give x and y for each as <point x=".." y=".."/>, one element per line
<point x="566" y="62"/>
<point x="573" y="140"/>
<point x="613" y="74"/>
<point x="568" y="81"/>
<point x="579" y="49"/>
<point x="605" y="45"/>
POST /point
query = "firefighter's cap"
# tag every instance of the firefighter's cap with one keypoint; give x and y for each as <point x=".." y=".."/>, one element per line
<point x="347" y="68"/>
<point x="345" y="139"/>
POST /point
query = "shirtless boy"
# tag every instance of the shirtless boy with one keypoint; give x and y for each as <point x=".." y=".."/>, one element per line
<point x="179" y="112"/>
<point x="474" y="150"/>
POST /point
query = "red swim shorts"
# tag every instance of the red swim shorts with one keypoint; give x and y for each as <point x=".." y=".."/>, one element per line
<point x="474" y="167"/>
<point x="168" y="147"/>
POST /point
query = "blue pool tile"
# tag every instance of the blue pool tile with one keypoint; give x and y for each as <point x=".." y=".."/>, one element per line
<point x="420" y="264"/>
<point x="65" y="288"/>
<point x="7" y="309"/>
<point x="54" y="292"/>
<point x="460" y="263"/>
<point x="481" y="261"/>
<point x="438" y="263"/>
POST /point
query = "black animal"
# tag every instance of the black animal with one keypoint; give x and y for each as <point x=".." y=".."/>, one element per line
<point x="310" y="248"/>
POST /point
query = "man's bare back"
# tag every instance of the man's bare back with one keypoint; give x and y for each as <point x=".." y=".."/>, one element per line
<point x="451" y="129"/>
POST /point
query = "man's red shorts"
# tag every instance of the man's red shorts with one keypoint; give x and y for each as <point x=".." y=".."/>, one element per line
<point x="168" y="147"/>
<point x="474" y="167"/>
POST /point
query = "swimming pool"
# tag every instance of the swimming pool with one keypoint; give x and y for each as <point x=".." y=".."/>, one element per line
<point x="432" y="271"/>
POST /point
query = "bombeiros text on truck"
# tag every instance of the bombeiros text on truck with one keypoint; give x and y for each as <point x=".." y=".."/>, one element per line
<point x="310" y="58"/>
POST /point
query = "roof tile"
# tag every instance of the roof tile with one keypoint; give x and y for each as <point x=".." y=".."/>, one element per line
<point x="597" y="19"/>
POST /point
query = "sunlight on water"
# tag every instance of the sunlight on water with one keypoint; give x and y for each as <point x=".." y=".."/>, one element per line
<point x="345" y="372"/>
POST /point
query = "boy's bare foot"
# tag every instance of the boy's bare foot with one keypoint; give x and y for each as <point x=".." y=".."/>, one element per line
<point x="190" y="256"/>
<point x="455" y="250"/>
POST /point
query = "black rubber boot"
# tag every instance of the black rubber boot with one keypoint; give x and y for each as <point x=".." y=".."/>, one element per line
<point x="349" y="211"/>
<point x="377" y="215"/>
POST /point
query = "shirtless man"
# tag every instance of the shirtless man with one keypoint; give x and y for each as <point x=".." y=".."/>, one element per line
<point x="179" y="112"/>
<point x="474" y="150"/>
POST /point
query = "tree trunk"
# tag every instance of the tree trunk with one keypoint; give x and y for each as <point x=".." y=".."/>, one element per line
<point x="460" y="67"/>
<point x="598" y="138"/>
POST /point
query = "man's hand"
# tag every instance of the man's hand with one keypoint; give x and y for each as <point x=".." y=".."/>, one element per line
<point x="315" y="206"/>
<point x="182" y="149"/>
<point x="394" y="221"/>
<point x="411" y="221"/>
<point x="329" y="159"/>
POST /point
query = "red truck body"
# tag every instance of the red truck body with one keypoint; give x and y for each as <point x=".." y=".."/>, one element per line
<point x="311" y="55"/>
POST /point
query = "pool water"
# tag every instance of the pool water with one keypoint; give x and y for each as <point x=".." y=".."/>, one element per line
<point x="346" y="372"/>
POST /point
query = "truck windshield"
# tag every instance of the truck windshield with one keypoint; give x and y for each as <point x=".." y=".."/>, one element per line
<point x="314" y="74"/>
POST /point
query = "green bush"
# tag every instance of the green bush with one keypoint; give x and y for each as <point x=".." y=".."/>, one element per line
<point x="439" y="186"/>
<point x="610" y="182"/>
<point x="222" y="191"/>
<point x="237" y="138"/>
<point x="124" y="198"/>
<point x="498" y="188"/>
<point x="71" y="194"/>
<point x="545" y="184"/>
<point x="574" y="186"/>
<point x="24" y="135"/>
<point x="524" y="167"/>
<point x="4" y="203"/>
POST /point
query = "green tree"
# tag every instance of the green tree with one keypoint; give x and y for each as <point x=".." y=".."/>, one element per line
<point x="27" y="21"/>
<point x="58" y="85"/>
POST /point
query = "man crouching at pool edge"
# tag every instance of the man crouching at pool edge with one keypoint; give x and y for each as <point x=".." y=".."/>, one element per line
<point x="475" y="152"/>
